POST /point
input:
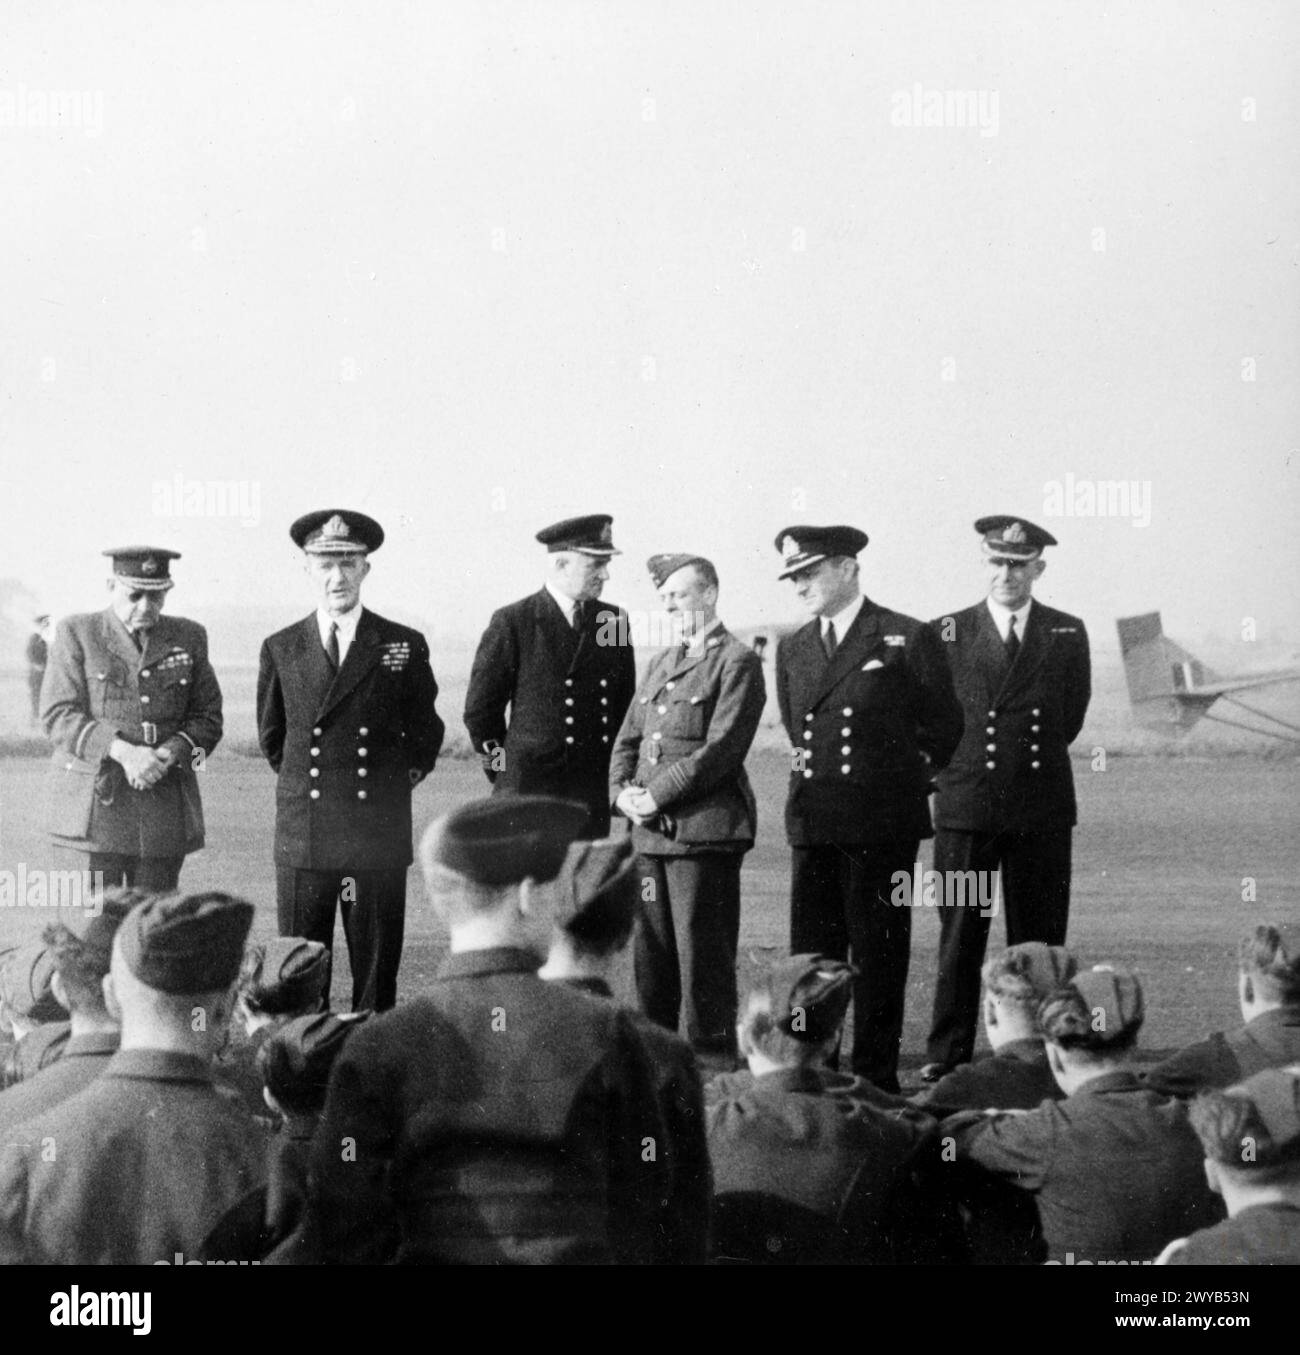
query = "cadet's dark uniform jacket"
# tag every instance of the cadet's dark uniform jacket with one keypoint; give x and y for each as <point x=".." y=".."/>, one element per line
<point x="81" y="1061"/>
<point x="147" y="1159"/>
<point x="685" y="1203"/>
<point x="348" y="747"/>
<point x="1015" y="1077"/>
<point x="1271" y="1040"/>
<point x="499" y="1119"/>
<point x="566" y="693"/>
<point x="1117" y="1168"/>
<point x="98" y="687"/>
<point x="873" y="724"/>
<point x="684" y="739"/>
<point x="39" y="1049"/>
<point x="826" y="1144"/>
<point x="1262" y="1235"/>
<point x="1011" y="771"/>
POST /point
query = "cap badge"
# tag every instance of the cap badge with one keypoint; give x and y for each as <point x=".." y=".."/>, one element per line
<point x="148" y="565"/>
<point x="336" y="527"/>
<point x="1015" y="532"/>
<point x="789" y="546"/>
<point x="606" y="535"/>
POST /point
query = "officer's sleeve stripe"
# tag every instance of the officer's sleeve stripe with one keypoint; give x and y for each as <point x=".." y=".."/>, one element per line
<point x="81" y="738"/>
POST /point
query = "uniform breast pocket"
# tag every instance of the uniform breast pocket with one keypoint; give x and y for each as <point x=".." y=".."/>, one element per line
<point x="689" y="717"/>
<point x="116" y="691"/>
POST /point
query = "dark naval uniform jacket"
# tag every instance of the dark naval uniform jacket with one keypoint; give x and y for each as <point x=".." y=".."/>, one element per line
<point x="1271" y="1040"/>
<point x="499" y="1119"/>
<point x="684" y="739"/>
<point x="1116" y="1168"/>
<point x="868" y="728"/>
<point x="349" y="747"/>
<point x="99" y="687"/>
<point x="145" y="1161"/>
<point x="1011" y="771"/>
<point x="566" y="694"/>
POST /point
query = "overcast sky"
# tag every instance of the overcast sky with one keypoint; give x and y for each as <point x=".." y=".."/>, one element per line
<point x="474" y="268"/>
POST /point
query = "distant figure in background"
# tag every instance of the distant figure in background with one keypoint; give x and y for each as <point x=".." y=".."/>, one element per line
<point x="81" y="962"/>
<point x="133" y="708"/>
<point x="32" y="1011"/>
<point x="1251" y="1137"/>
<point x="1006" y="801"/>
<point x="347" y="718"/>
<point x="562" y="664"/>
<point x="1115" y="1167"/>
<point x="1268" y="991"/>
<point x="38" y="650"/>
<point x="149" y="1155"/>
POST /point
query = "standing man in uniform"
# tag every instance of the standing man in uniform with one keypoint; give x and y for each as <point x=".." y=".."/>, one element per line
<point x="867" y="702"/>
<point x="678" y="774"/>
<point x="346" y="717"/>
<point x="565" y="669"/>
<point x="133" y="708"/>
<point x="1006" y="801"/>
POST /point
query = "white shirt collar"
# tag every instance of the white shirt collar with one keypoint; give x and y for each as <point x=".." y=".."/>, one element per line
<point x="565" y="603"/>
<point x="1002" y="617"/>
<point x="844" y="619"/>
<point x="345" y="621"/>
<point x="701" y="637"/>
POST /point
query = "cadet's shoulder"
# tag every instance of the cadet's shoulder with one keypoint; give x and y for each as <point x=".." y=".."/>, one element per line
<point x="664" y="1046"/>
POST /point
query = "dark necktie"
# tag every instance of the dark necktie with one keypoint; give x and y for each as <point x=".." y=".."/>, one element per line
<point x="138" y="639"/>
<point x="828" y="640"/>
<point x="579" y="615"/>
<point x="1012" y="642"/>
<point x="332" y="646"/>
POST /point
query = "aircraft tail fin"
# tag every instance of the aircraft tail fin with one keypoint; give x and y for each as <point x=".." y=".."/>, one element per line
<point x="1162" y="677"/>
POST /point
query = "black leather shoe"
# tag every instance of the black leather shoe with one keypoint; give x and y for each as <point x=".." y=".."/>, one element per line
<point x="932" y="1072"/>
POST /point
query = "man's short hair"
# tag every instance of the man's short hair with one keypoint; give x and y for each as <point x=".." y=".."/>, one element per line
<point x="763" y="1031"/>
<point x="1027" y="973"/>
<point x="1098" y="1015"/>
<point x="1270" y="958"/>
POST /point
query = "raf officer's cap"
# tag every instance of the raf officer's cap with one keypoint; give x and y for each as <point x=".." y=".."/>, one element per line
<point x="505" y="839"/>
<point x="663" y="567"/>
<point x="592" y="535"/>
<point x="145" y="567"/>
<point x="807" y="996"/>
<point x="337" y="531"/>
<point x="804" y="546"/>
<point x="1266" y="1111"/>
<point x="597" y="882"/>
<point x="295" y="1062"/>
<point x="26" y="983"/>
<point x="190" y="943"/>
<point x="290" y="975"/>
<point x="1012" y="538"/>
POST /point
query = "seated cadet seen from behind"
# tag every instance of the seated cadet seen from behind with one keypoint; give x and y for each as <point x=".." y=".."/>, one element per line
<point x="1251" y="1137"/>
<point x="499" y="1118"/>
<point x="273" y="1224"/>
<point x="80" y="965"/>
<point x="1268" y="993"/>
<point x="37" y="1020"/>
<point x="810" y="1166"/>
<point x="595" y="912"/>
<point x="150" y="1154"/>
<point x="279" y="980"/>
<point x="1015" y="1076"/>
<point x="1115" y="1166"/>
